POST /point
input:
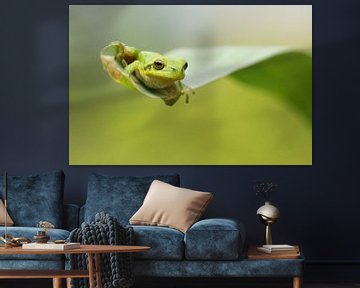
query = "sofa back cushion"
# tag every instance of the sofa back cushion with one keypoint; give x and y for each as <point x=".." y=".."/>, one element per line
<point x="120" y="196"/>
<point x="35" y="198"/>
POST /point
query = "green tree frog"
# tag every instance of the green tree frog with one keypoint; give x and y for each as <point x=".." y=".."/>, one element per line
<point x="151" y="73"/>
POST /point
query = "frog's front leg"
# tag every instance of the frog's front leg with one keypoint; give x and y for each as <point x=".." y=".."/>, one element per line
<point x="131" y="68"/>
<point x="126" y="55"/>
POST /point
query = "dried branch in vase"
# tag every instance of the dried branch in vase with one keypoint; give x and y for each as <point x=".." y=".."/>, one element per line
<point x="265" y="189"/>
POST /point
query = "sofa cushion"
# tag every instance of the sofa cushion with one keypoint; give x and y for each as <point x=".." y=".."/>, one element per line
<point x="9" y="221"/>
<point x="170" y="206"/>
<point x="35" y="198"/>
<point x="120" y="196"/>
<point x="214" y="239"/>
<point x="29" y="232"/>
<point x="39" y="264"/>
<point x="165" y="243"/>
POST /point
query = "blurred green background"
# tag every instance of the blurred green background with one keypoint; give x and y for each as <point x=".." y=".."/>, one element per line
<point x="260" y="115"/>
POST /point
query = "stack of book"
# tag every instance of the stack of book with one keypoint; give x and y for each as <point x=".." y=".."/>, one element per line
<point x="282" y="251"/>
<point x="51" y="246"/>
<point x="279" y="249"/>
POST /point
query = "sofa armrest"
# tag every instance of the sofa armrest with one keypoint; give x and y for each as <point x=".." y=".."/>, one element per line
<point x="71" y="216"/>
<point x="215" y="239"/>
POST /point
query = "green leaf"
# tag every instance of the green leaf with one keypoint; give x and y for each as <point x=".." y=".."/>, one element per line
<point x="278" y="69"/>
<point x="288" y="76"/>
<point x="207" y="64"/>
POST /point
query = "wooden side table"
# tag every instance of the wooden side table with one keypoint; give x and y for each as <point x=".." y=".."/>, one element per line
<point x="254" y="254"/>
<point x="93" y="251"/>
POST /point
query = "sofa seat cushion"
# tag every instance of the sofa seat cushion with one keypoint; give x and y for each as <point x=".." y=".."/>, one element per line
<point x="29" y="232"/>
<point x="214" y="239"/>
<point x="166" y="243"/>
<point x="120" y="196"/>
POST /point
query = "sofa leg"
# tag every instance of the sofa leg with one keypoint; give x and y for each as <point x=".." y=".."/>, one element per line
<point x="57" y="283"/>
<point x="297" y="282"/>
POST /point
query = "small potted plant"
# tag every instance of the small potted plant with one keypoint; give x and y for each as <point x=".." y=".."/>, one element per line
<point x="41" y="236"/>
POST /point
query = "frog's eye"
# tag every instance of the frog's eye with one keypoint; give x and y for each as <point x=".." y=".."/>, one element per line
<point x="159" y="64"/>
<point x="185" y="66"/>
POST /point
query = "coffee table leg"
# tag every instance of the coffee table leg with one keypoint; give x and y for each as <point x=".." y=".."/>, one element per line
<point x="57" y="283"/>
<point x="91" y="270"/>
<point x="297" y="282"/>
<point x="98" y="270"/>
<point x="68" y="282"/>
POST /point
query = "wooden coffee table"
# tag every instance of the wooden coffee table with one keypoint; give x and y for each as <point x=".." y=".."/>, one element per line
<point x="92" y="251"/>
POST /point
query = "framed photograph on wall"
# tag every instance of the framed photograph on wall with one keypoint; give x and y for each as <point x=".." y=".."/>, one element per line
<point x="239" y="80"/>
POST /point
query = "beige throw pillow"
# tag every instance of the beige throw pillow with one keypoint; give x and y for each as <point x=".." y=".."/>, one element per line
<point x="9" y="221"/>
<point x="170" y="206"/>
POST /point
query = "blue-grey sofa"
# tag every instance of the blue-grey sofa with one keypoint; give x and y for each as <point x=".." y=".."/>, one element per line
<point x="210" y="248"/>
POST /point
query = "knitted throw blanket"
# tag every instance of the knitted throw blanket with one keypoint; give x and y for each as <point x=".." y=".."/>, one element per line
<point x="116" y="268"/>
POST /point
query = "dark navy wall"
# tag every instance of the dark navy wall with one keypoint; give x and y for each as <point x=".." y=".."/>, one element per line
<point x="318" y="203"/>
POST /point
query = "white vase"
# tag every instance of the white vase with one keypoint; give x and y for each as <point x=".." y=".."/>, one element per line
<point x="268" y="214"/>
